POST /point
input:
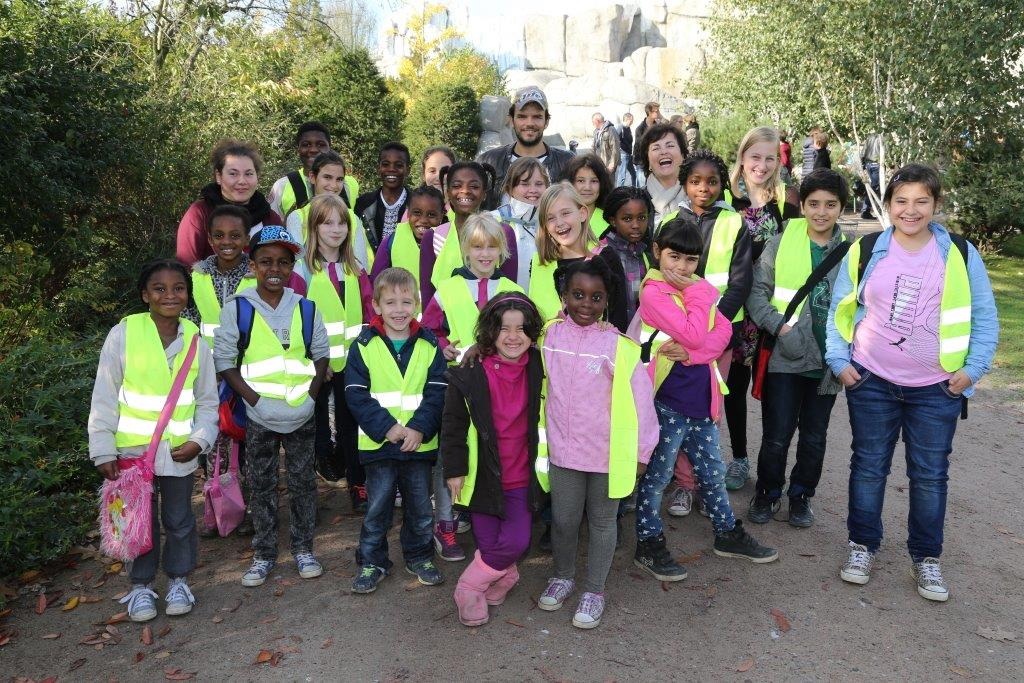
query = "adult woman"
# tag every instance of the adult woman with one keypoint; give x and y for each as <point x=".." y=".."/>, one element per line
<point x="236" y="168"/>
<point x="661" y="157"/>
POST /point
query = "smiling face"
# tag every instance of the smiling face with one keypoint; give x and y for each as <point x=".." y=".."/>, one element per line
<point x="166" y="293"/>
<point x="665" y="157"/>
<point x="432" y="169"/>
<point x="821" y="209"/>
<point x="630" y="221"/>
<point x="272" y="264"/>
<point x="397" y="308"/>
<point x="512" y="341"/>
<point x="393" y="169"/>
<point x="312" y="143"/>
<point x="911" y="209"/>
<point x="465" y="191"/>
<point x="228" y="237"/>
<point x="703" y="187"/>
<point x="674" y="265"/>
<point x="333" y="231"/>
<point x="425" y="213"/>
<point x="529" y="188"/>
<point x="237" y="180"/>
<point x="329" y="179"/>
<point x="564" y="225"/>
<point x="529" y="123"/>
<point x="483" y="256"/>
<point x="585" y="299"/>
<point x="759" y="163"/>
<point x="588" y="187"/>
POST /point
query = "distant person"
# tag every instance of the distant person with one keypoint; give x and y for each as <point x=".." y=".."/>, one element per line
<point x="434" y="160"/>
<point x="869" y="157"/>
<point x="606" y="143"/>
<point x="807" y="165"/>
<point x="677" y="122"/>
<point x="382" y="209"/>
<point x="822" y="157"/>
<point x="295" y="189"/>
<point x="785" y="158"/>
<point x="530" y="117"/>
<point x="691" y="130"/>
<point x="652" y="111"/>
<point x="626" y="167"/>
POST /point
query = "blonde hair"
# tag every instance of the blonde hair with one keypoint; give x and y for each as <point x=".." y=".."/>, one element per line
<point x="320" y="209"/>
<point x="753" y="137"/>
<point x="547" y="248"/>
<point x="395" y="278"/>
<point x="485" y="229"/>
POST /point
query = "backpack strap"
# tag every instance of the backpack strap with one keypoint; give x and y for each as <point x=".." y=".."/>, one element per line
<point x="961" y="244"/>
<point x="246" y="315"/>
<point x="646" y="346"/>
<point x="867" y="245"/>
<point x="299" y="188"/>
<point x="307" y="309"/>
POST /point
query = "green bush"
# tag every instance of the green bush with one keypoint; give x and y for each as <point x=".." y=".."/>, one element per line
<point x="722" y="131"/>
<point x="986" y="191"/>
<point x="448" y="115"/>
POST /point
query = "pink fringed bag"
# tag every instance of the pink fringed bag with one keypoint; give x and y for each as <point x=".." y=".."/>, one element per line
<point x="126" y="503"/>
<point x="222" y="493"/>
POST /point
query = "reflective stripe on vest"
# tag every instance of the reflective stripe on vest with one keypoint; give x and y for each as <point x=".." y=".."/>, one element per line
<point x="273" y="371"/>
<point x="399" y="395"/>
<point x="723" y="239"/>
<point x="793" y="265"/>
<point x="147" y="382"/>
<point x="623" y="437"/>
<point x="542" y="288"/>
<point x="460" y="308"/>
<point x="207" y="303"/>
<point x="954" y="307"/>
<point x="343" y="322"/>
<point x="405" y="250"/>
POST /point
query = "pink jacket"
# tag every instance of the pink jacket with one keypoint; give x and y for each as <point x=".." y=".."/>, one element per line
<point x="659" y="308"/>
<point x="579" y="363"/>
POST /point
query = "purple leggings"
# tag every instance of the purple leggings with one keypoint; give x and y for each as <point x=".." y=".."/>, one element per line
<point x="502" y="541"/>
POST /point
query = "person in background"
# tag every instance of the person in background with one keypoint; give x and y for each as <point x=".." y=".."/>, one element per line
<point x="869" y="160"/>
<point x="691" y="129"/>
<point x="652" y="112"/>
<point x="785" y="158"/>
<point x="606" y="143"/>
<point x="382" y="209"/>
<point x="435" y="159"/>
<point x="295" y="189"/>
<point x="822" y="157"/>
<point x="807" y="164"/>
<point x="626" y="167"/>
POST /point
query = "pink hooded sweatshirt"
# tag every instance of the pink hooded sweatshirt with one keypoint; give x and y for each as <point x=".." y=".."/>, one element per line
<point x="688" y="326"/>
<point x="579" y="363"/>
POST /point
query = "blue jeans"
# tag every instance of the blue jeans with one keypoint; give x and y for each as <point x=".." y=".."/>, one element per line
<point x="927" y="416"/>
<point x="413" y="478"/>
<point x="698" y="438"/>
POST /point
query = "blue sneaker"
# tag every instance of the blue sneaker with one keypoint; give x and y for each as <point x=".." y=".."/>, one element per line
<point x="179" y="598"/>
<point x="141" y="602"/>
<point x="257" y="573"/>
<point x="308" y="567"/>
<point x="367" y="579"/>
<point x="426" y="572"/>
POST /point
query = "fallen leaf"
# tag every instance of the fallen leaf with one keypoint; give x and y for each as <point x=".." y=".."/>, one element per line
<point x="147" y="635"/>
<point x="264" y="656"/>
<point x="29" y="576"/>
<point x="164" y="631"/>
<point x="49" y="679"/>
<point x="117" y="618"/>
<point x="664" y="586"/>
<point x="217" y="619"/>
<point x="268" y="620"/>
<point x="88" y="599"/>
<point x="960" y="671"/>
<point x="4" y="639"/>
<point x="77" y="664"/>
<point x="689" y="559"/>
<point x="102" y="580"/>
<point x="278" y="592"/>
<point x="746" y="665"/>
<point x="276" y="659"/>
<point x="232" y="608"/>
<point x="780" y="619"/>
<point x="711" y="591"/>
<point x="164" y="654"/>
<point x="1004" y="530"/>
<point x="180" y="676"/>
<point x="139" y="656"/>
<point x="806" y="554"/>
<point x="50" y="636"/>
<point x="41" y="603"/>
<point x="115" y="568"/>
<point x="514" y="623"/>
<point x="996" y="634"/>
<point x="53" y="596"/>
<point x="71" y="604"/>
<point x="119" y="595"/>
<point x="337" y="519"/>
<point x="111" y="629"/>
<point x="327" y="643"/>
<point x="4" y="613"/>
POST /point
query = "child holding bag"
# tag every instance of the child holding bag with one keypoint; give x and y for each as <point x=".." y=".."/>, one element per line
<point x="141" y="358"/>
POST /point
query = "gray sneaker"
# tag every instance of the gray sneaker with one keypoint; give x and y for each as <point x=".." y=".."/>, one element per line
<point x="555" y="594"/>
<point x="308" y="566"/>
<point x="858" y="565"/>
<point x="588" y="614"/>
<point x="930" y="586"/>
<point x="141" y="601"/>
<point x="681" y="503"/>
<point x="257" y="573"/>
<point x="736" y="474"/>
<point x="179" y="598"/>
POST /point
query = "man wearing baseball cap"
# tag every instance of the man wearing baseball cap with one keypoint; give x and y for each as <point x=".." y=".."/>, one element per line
<point x="530" y="117"/>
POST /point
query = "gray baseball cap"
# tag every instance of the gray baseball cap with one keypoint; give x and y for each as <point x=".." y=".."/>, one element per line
<point x="528" y="94"/>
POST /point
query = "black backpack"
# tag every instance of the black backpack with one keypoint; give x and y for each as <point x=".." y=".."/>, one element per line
<point x="247" y="316"/>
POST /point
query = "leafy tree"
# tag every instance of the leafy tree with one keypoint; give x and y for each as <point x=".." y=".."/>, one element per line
<point x="463" y="65"/>
<point x="448" y="114"/>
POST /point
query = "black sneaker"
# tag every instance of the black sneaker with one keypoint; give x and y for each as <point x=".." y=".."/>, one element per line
<point x="426" y="572"/>
<point x="762" y="509"/>
<point x="652" y="555"/>
<point x="544" y="544"/>
<point x="738" y="543"/>
<point x="800" y="513"/>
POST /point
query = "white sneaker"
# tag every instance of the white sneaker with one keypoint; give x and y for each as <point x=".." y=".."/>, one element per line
<point x="681" y="503"/>
<point x="141" y="601"/>
<point x="928" y="574"/>
<point x="179" y="598"/>
<point x="858" y="565"/>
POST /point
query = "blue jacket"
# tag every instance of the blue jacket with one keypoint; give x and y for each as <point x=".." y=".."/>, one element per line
<point x="375" y="420"/>
<point x="984" y="317"/>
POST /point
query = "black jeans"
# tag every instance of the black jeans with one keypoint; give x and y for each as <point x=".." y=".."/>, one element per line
<point x="342" y="455"/>
<point x="792" y="401"/>
<point x="736" y="404"/>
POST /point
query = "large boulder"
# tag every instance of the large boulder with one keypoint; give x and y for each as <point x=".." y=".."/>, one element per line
<point x="627" y="90"/>
<point x="488" y="140"/>
<point x="634" y="65"/>
<point x="668" y="68"/>
<point x="520" y="78"/>
<point x="544" y="36"/>
<point x="595" y="35"/>
<point x="494" y="112"/>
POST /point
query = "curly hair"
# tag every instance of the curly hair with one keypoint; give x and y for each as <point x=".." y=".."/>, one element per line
<point x="488" y="325"/>
<point x="705" y="156"/>
<point x="156" y="266"/>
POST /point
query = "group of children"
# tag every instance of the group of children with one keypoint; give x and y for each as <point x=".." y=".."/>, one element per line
<point x="552" y="357"/>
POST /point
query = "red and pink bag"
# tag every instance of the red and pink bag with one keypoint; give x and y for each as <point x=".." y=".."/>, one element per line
<point x="126" y="503"/>
<point x="222" y="493"/>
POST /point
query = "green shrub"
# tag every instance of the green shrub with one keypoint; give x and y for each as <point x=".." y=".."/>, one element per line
<point x="447" y="115"/>
<point x="985" y="193"/>
<point x="722" y="131"/>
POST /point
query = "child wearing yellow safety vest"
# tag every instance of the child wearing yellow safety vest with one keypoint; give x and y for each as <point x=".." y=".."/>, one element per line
<point x="489" y="442"/>
<point x="140" y="359"/>
<point x="676" y="306"/>
<point x="799" y="390"/>
<point x="394" y="385"/>
<point x="293" y="190"/>
<point x="402" y="248"/>
<point x="912" y="328"/>
<point x="274" y="370"/>
<point x="598" y="431"/>
<point x="342" y="292"/>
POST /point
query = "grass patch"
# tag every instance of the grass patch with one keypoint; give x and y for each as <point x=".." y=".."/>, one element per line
<point x="1007" y="274"/>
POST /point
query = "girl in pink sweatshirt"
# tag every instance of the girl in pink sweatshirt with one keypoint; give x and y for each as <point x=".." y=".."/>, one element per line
<point x="595" y="380"/>
<point x="681" y="333"/>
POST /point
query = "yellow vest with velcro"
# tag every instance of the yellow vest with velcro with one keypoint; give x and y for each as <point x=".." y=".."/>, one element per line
<point x="273" y="371"/>
<point x="625" y="425"/>
<point x="472" y="465"/>
<point x="405" y="250"/>
<point x="396" y="393"/>
<point x="460" y="308"/>
<point x="450" y="257"/>
<point x="207" y="303"/>
<point x="792" y="267"/>
<point x="343" y="320"/>
<point x="147" y="383"/>
<point x="954" y="307"/>
<point x="723" y="239"/>
<point x="288" y="200"/>
<point x="542" y="288"/>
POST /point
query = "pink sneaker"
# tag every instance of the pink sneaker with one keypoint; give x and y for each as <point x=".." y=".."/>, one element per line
<point x="555" y="594"/>
<point x="445" y="542"/>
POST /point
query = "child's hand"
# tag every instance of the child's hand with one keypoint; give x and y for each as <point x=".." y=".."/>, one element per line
<point x="641" y="469"/>
<point x="470" y="356"/>
<point x="450" y="352"/>
<point x="186" y="452"/>
<point x="959" y="382"/>
<point x="678" y="282"/>
<point x="674" y="351"/>
<point x="396" y="433"/>
<point x="849" y="376"/>
<point x="785" y="329"/>
<point x="252" y="398"/>
<point x="329" y="374"/>
<point x="455" y="486"/>
<point x="413" y="440"/>
<point x="109" y="470"/>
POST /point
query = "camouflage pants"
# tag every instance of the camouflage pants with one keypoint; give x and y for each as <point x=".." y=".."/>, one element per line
<point x="262" y="459"/>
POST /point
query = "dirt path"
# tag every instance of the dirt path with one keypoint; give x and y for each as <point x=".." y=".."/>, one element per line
<point x="716" y="623"/>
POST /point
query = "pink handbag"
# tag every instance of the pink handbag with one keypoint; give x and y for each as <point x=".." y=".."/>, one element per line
<point x="126" y="503"/>
<point x="222" y="494"/>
